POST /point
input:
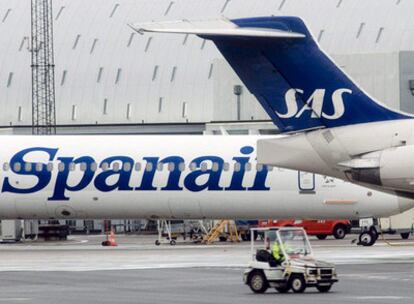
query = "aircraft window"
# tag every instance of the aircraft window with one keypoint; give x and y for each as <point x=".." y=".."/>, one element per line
<point x="215" y="167"/>
<point x="39" y="167"/>
<point x="6" y="167"/>
<point x="259" y="167"/>
<point x="203" y="167"/>
<point x="137" y="166"/>
<point x="94" y="167"/>
<point x="72" y="166"/>
<point x="226" y="166"/>
<point x="237" y="167"/>
<point x="127" y="167"/>
<point x="49" y="167"/>
<point x="182" y="167"/>
<point x="171" y="167"/>
<point x="248" y="167"/>
<point x="105" y="166"/>
<point x="61" y="167"/>
<point x="27" y="167"/>
<point x="193" y="166"/>
<point x="17" y="167"/>
<point x="149" y="167"/>
<point x="160" y="166"/>
<point x="83" y="166"/>
<point x="115" y="167"/>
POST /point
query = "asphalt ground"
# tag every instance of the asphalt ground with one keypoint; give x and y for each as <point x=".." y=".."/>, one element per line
<point x="382" y="283"/>
<point x="81" y="271"/>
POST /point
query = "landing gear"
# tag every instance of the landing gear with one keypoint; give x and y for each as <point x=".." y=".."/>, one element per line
<point x="368" y="237"/>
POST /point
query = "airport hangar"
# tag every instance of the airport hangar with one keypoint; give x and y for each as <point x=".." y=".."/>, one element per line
<point x="111" y="80"/>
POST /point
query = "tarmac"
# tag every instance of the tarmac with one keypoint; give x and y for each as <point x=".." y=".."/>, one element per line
<point x="81" y="271"/>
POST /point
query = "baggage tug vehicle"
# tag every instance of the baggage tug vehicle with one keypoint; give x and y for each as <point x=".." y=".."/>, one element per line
<point x="298" y="268"/>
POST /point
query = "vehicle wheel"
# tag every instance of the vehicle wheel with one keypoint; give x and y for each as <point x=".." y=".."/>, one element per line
<point x="405" y="235"/>
<point x="297" y="283"/>
<point x="325" y="288"/>
<point x="157" y="243"/>
<point x="283" y="289"/>
<point x="367" y="238"/>
<point x="258" y="282"/>
<point x="321" y="236"/>
<point x="173" y="243"/>
<point x="339" y="232"/>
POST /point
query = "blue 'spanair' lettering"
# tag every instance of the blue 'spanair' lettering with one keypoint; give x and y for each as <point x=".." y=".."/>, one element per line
<point x="200" y="178"/>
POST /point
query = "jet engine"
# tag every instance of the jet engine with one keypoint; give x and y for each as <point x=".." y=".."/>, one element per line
<point x="391" y="168"/>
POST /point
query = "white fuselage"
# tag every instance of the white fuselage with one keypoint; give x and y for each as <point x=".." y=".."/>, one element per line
<point x="201" y="177"/>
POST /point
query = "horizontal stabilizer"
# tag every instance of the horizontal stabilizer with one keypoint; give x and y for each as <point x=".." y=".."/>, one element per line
<point x="219" y="27"/>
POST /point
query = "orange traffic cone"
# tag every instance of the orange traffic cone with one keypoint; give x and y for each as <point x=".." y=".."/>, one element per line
<point x="110" y="240"/>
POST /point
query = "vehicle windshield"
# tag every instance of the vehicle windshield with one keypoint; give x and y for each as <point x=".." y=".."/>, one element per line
<point x="295" y="242"/>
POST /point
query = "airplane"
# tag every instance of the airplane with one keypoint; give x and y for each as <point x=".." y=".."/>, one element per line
<point x="169" y="177"/>
<point x="330" y="125"/>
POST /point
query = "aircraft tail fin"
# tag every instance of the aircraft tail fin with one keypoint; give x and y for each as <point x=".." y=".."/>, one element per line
<point x="279" y="61"/>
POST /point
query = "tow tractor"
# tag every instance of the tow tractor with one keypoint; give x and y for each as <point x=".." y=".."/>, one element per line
<point x="298" y="270"/>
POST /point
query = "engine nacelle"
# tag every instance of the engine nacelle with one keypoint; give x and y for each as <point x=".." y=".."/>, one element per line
<point x="392" y="169"/>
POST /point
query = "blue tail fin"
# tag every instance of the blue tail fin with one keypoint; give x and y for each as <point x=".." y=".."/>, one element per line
<point x="295" y="81"/>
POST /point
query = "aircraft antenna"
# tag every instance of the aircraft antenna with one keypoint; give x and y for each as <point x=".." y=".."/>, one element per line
<point x="43" y="65"/>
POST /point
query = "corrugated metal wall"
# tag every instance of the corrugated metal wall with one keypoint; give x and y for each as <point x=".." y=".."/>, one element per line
<point x="105" y="73"/>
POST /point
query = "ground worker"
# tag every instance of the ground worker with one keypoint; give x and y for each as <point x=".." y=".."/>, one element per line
<point x="277" y="253"/>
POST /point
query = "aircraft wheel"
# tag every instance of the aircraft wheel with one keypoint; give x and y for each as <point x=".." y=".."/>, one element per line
<point x="325" y="288"/>
<point x="157" y="243"/>
<point x="258" y="282"/>
<point x="173" y="243"/>
<point x="297" y="283"/>
<point x="321" y="236"/>
<point x="367" y="238"/>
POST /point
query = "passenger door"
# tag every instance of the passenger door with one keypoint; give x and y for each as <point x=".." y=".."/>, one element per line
<point x="306" y="182"/>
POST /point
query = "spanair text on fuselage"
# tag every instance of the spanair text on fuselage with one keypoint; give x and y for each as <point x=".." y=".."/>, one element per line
<point x="200" y="177"/>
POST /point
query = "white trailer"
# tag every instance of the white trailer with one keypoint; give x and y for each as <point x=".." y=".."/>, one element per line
<point x="402" y="224"/>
